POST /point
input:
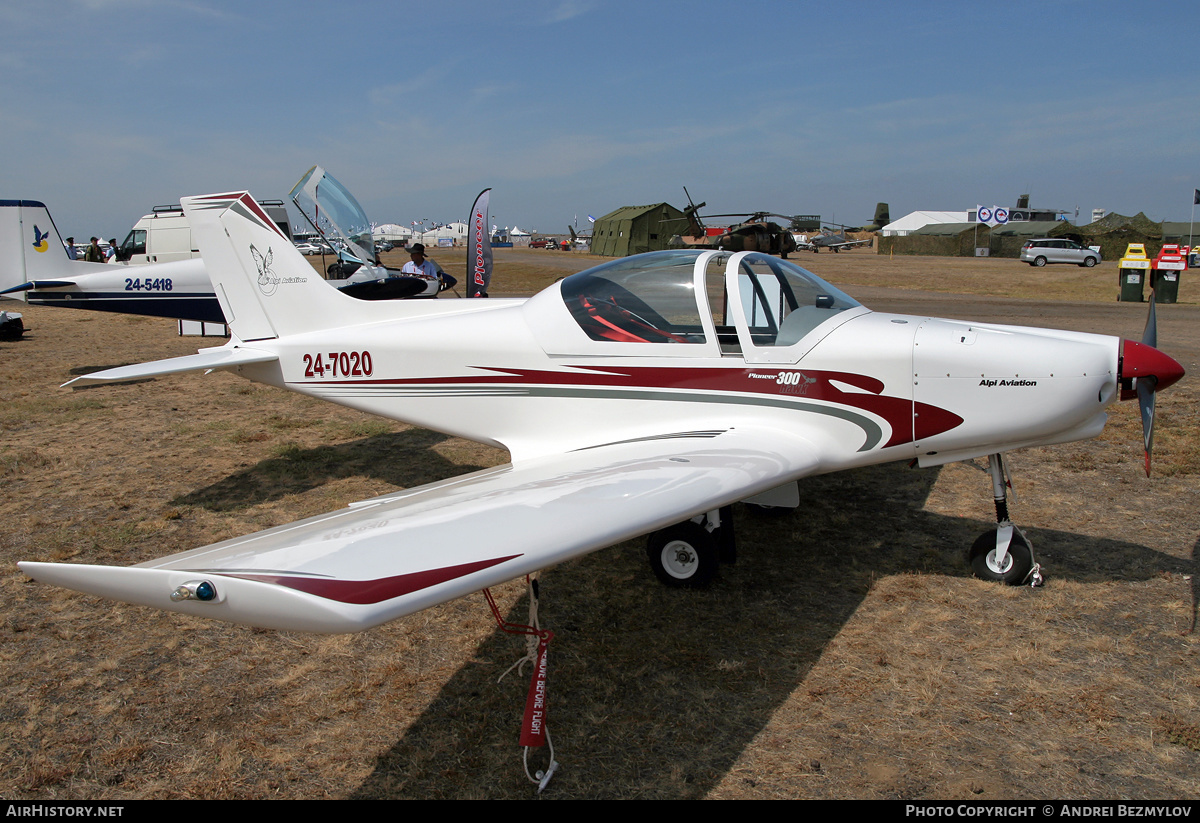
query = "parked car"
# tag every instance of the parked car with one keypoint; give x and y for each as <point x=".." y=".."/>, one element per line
<point x="308" y="248"/>
<point x="1045" y="250"/>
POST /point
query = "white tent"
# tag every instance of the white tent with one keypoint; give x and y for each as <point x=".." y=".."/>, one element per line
<point x="920" y="219"/>
<point x="451" y="234"/>
<point x="392" y="232"/>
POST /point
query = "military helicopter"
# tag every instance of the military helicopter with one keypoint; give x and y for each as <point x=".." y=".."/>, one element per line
<point x="754" y="234"/>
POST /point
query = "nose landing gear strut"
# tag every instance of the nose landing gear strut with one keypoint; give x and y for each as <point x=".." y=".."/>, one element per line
<point x="1004" y="554"/>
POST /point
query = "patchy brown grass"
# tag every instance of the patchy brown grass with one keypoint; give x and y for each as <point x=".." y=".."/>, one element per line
<point x="846" y="654"/>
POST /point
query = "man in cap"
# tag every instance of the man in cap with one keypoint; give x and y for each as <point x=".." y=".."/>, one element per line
<point x="93" y="253"/>
<point x="419" y="266"/>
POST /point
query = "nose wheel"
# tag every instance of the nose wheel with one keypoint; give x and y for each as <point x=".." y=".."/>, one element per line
<point x="1010" y="566"/>
<point x="1003" y="554"/>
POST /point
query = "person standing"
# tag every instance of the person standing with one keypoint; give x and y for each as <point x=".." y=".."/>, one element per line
<point x="110" y="254"/>
<point x="419" y="266"/>
<point x="93" y="253"/>
<point x="72" y="252"/>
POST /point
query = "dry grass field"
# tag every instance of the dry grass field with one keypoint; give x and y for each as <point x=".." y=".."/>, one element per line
<point x="848" y="653"/>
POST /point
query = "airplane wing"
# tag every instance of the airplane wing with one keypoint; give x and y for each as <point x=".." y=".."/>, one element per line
<point x="387" y="557"/>
<point x="848" y="244"/>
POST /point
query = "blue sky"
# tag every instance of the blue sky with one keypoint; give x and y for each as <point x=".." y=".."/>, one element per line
<point x="565" y="107"/>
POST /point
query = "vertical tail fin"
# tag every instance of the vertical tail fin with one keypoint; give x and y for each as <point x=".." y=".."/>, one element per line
<point x="265" y="286"/>
<point x="31" y="248"/>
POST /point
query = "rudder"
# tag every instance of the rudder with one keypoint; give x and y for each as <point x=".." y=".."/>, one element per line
<point x="31" y="248"/>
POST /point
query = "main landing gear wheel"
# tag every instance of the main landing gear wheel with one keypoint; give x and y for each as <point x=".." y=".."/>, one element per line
<point x="683" y="556"/>
<point x="1016" y="566"/>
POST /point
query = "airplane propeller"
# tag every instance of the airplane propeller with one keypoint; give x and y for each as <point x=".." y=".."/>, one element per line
<point x="1150" y="370"/>
<point x="1150" y="333"/>
<point x="1145" y="393"/>
<point x="1145" y="386"/>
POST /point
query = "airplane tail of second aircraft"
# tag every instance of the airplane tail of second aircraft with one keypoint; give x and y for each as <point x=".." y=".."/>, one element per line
<point x="31" y="249"/>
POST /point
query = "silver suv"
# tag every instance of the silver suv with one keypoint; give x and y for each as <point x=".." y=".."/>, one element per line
<point x="1050" y="250"/>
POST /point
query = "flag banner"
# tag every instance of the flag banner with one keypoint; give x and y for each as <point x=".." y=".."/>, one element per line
<point x="479" y="260"/>
<point x="993" y="215"/>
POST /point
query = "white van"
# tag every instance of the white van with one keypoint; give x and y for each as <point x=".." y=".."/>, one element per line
<point x="164" y="235"/>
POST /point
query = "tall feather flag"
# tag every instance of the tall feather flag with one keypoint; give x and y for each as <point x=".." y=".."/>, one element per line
<point x="479" y="261"/>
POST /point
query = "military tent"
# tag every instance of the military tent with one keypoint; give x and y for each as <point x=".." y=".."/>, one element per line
<point x="636" y="229"/>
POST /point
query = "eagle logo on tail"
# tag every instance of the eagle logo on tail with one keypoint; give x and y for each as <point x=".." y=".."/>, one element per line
<point x="268" y="281"/>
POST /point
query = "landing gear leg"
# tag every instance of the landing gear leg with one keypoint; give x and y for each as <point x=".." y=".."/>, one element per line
<point x="1003" y="554"/>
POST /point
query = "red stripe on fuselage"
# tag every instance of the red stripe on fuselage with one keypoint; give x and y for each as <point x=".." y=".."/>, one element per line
<point x="810" y="384"/>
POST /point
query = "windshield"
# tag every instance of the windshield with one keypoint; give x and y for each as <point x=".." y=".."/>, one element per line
<point x="334" y="212"/>
<point x="783" y="302"/>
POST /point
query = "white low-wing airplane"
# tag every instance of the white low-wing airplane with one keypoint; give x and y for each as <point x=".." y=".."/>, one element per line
<point x="34" y="266"/>
<point x="644" y="394"/>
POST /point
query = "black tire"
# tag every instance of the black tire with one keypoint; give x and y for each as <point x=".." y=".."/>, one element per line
<point x="1088" y="262"/>
<point x="1039" y="261"/>
<point x="683" y="556"/>
<point x="1018" y="560"/>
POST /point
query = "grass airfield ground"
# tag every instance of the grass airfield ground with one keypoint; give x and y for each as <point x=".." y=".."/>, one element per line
<point x="848" y="654"/>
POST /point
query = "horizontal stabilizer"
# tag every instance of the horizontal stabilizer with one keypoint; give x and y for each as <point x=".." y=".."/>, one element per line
<point x="221" y="358"/>
<point x="33" y="285"/>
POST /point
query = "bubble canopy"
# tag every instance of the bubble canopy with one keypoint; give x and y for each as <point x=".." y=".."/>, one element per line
<point x="334" y="212"/>
<point x="653" y="298"/>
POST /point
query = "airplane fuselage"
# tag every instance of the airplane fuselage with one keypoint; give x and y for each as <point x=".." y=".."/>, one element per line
<point x="864" y="387"/>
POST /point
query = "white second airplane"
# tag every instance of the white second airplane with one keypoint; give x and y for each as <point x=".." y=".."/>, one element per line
<point x="643" y="395"/>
